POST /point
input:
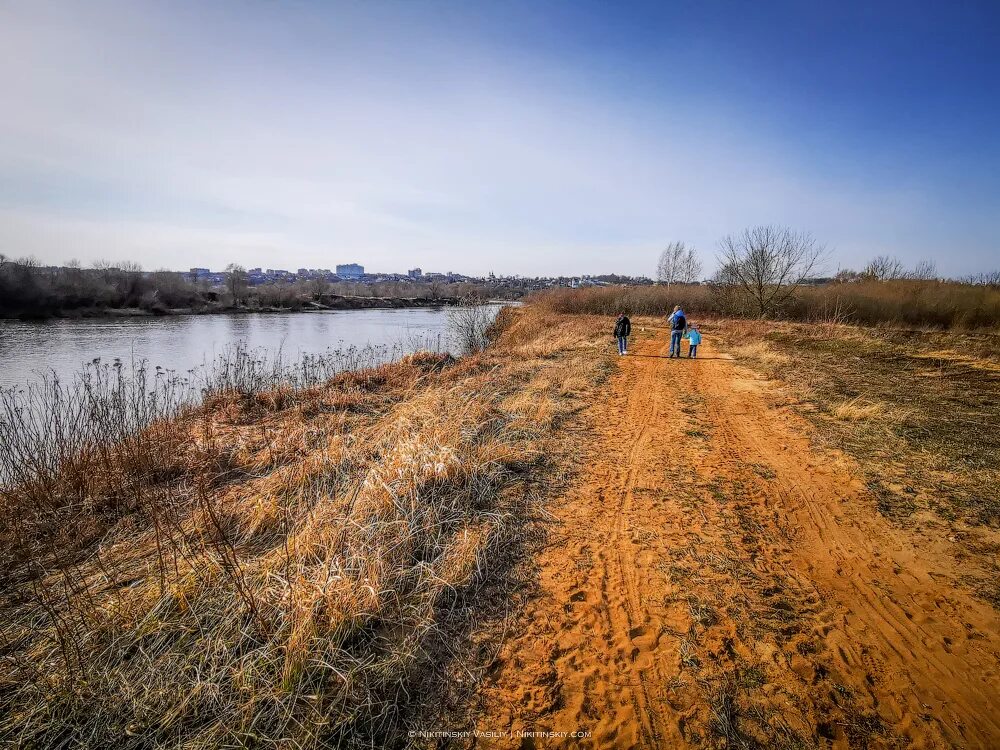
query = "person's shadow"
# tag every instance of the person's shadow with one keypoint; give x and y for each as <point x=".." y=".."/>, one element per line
<point x="664" y="356"/>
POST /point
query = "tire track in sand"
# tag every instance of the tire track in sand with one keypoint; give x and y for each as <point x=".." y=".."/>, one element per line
<point x="707" y="553"/>
<point x="591" y="654"/>
<point x="643" y="412"/>
<point x="921" y="655"/>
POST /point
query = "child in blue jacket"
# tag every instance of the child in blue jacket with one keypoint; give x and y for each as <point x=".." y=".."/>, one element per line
<point x="694" y="338"/>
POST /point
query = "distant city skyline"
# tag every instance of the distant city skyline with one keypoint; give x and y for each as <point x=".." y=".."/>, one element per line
<point x="413" y="274"/>
<point x="529" y="138"/>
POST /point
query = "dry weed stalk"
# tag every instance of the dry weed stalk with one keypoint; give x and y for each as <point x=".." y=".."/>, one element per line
<point x="286" y="561"/>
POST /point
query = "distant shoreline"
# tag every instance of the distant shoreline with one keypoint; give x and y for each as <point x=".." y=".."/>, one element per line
<point x="336" y="302"/>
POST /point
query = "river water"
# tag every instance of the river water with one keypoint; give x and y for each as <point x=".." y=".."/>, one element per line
<point x="184" y="342"/>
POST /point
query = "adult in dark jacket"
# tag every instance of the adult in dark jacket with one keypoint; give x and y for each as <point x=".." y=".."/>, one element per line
<point x="623" y="329"/>
<point x="678" y="324"/>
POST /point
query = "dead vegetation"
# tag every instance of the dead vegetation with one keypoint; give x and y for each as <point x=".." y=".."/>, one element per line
<point x="716" y="580"/>
<point x="914" y="408"/>
<point x="898" y="400"/>
<point x="898" y="302"/>
<point x="336" y="562"/>
<point x="307" y="564"/>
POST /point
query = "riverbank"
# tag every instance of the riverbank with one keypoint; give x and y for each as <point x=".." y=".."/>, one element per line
<point x="322" y="565"/>
<point x="326" y="303"/>
<point x="788" y="542"/>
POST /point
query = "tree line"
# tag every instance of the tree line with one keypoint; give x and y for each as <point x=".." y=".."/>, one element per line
<point x="763" y="267"/>
<point x="30" y="290"/>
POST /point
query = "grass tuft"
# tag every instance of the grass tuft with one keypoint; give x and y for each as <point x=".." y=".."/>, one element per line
<point x="297" y="559"/>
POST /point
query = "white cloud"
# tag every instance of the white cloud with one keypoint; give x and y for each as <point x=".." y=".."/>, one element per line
<point x="270" y="139"/>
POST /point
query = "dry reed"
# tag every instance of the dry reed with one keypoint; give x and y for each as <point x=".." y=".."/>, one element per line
<point x="911" y="303"/>
<point x="287" y="562"/>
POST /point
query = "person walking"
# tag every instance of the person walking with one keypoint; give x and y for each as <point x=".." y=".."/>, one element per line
<point x="678" y="325"/>
<point x="694" y="338"/>
<point x="623" y="329"/>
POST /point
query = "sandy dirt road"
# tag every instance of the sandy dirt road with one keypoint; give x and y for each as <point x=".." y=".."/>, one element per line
<point x="715" y="580"/>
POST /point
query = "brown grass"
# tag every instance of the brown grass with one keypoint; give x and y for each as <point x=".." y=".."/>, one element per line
<point x="300" y="566"/>
<point x="921" y="304"/>
<point x="914" y="409"/>
<point x="926" y="394"/>
<point x="634" y="300"/>
<point x="863" y="409"/>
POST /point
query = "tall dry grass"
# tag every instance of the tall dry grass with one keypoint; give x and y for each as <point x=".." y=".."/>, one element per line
<point x="634" y="300"/>
<point x="910" y="303"/>
<point x="95" y="420"/>
<point x="289" y="565"/>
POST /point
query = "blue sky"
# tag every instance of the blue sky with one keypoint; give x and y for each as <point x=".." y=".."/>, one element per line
<point x="515" y="137"/>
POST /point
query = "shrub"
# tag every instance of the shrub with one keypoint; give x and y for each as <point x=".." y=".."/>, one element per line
<point x="905" y="302"/>
<point x="470" y="325"/>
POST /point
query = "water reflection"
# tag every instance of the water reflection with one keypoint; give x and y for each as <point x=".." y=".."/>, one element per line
<point x="184" y="342"/>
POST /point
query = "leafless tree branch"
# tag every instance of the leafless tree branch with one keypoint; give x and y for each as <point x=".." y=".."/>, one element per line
<point x="767" y="263"/>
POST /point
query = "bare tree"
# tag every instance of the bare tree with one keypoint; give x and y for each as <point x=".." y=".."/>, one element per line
<point x="670" y="266"/>
<point x="129" y="282"/>
<point x="318" y="287"/>
<point x="690" y="269"/>
<point x="990" y="278"/>
<point x="925" y="270"/>
<point x="106" y="269"/>
<point x="767" y="264"/>
<point x="884" y="268"/>
<point x="237" y="282"/>
<point x="847" y="275"/>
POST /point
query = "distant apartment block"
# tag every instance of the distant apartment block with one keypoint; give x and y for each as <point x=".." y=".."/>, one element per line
<point x="350" y="271"/>
<point x="415" y="273"/>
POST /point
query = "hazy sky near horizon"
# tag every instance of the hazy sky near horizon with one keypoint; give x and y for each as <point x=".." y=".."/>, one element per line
<point x="521" y="136"/>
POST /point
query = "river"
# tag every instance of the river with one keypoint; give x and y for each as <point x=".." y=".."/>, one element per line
<point x="184" y="342"/>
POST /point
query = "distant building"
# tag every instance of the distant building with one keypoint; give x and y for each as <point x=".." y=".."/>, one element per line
<point x="415" y="273"/>
<point x="350" y="271"/>
<point x="200" y="273"/>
